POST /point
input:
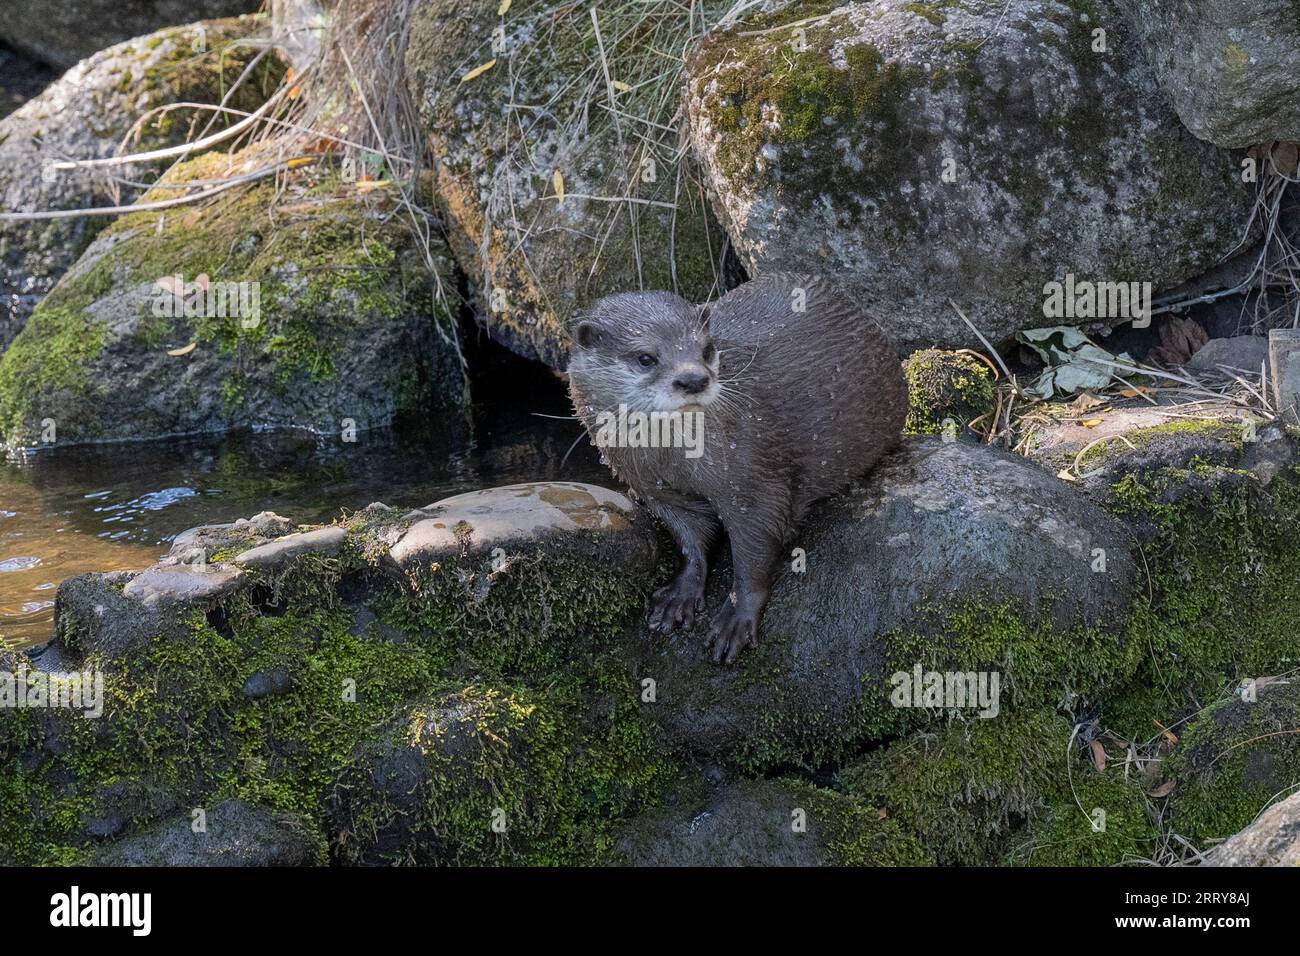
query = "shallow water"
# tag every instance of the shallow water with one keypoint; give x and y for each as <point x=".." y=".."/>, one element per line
<point x="116" y="507"/>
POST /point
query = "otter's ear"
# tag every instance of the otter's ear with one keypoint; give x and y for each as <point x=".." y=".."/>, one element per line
<point x="586" y="335"/>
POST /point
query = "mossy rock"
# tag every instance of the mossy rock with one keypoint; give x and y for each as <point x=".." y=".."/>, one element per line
<point x="1235" y="760"/>
<point x="952" y="557"/>
<point x="964" y="150"/>
<point x="326" y="320"/>
<point x="541" y="110"/>
<point x="1003" y="790"/>
<point x="482" y="775"/>
<point x="1221" y="552"/>
<point x="521" y="628"/>
<point x="946" y="387"/>
<point x="87" y="114"/>
<point x="782" y="822"/>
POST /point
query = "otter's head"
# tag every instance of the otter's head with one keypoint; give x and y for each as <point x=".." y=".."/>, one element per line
<point x="650" y="351"/>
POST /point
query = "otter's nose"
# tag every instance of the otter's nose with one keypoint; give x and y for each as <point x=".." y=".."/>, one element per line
<point x="691" y="382"/>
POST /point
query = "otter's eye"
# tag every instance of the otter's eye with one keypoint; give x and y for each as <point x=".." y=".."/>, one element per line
<point x="647" y="360"/>
<point x="709" y="352"/>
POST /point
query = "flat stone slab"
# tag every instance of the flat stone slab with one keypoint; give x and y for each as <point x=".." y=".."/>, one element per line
<point x="180" y="583"/>
<point x="291" y="546"/>
<point x="481" y="520"/>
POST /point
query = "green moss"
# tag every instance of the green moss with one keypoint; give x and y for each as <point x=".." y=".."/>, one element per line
<point x="964" y="789"/>
<point x="1096" y="819"/>
<point x="986" y="792"/>
<point x="51" y="357"/>
<point x="945" y="385"/>
<point x="855" y="832"/>
<point x="1224" y="561"/>
<point x="1234" y="761"/>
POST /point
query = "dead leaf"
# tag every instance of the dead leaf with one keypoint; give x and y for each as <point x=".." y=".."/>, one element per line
<point x="169" y="285"/>
<point x="1092" y="422"/>
<point x="1180" y="339"/>
<point x="478" y="71"/>
<point x="1086" y="400"/>
<point x="621" y="86"/>
<point x="1165" y="789"/>
<point x="505" y="5"/>
<point x="558" y="182"/>
<point x="184" y="350"/>
<point x="1286" y="158"/>
<point x="1170" y="737"/>
<point x="1065" y="474"/>
<point x="1134" y="392"/>
<point x="1098" y="755"/>
<point x="882" y="813"/>
<point x="369" y="185"/>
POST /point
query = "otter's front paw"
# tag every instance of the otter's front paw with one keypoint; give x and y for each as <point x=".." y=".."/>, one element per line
<point x="674" y="605"/>
<point x="734" y="629"/>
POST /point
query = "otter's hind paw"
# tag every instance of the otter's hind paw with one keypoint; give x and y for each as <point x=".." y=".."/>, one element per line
<point x="733" y="630"/>
<point x="674" y="605"/>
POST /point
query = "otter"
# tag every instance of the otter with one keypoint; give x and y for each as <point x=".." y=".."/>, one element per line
<point x="798" y="393"/>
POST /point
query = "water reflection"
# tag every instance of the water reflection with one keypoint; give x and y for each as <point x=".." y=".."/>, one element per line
<point x="113" y="507"/>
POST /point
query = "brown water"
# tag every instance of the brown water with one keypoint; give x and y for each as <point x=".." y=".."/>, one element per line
<point x="117" y="507"/>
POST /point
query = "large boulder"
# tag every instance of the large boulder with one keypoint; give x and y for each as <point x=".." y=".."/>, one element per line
<point x="300" y="308"/>
<point x="63" y="33"/>
<point x="88" y="114"/>
<point x="556" y="159"/>
<point x="951" y="558"/>
<point x="1235" y="760"/>
<point x="974" y="150"/>
<point x="1231" y="67"/>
